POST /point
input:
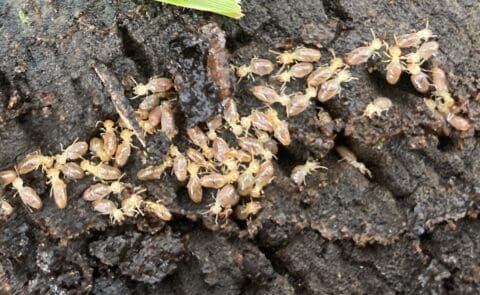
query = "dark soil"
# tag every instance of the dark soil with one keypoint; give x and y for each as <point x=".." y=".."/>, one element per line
<point x="412" y="228"/>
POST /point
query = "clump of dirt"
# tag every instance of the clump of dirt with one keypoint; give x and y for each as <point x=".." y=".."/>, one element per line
<point x="338" y="233"/>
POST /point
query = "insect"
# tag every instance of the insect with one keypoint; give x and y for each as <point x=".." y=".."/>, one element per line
<point x="33" y="161"/>
<point x="5" y="209"/>
<point x="213" y="125"/>
<point x="424" y="52"/>
<point x="269" y="95"/>
<point x="198" y="158"/>
<point x="194" y="187"/>
<point x="107" y="207"/>
<point x="322" y="74"/>
<point x="298" y="70"/>
<point x="351" y="159"/>
<point x="154" y="172"/>
<point x="242" y="212"/>
<point x="377" y="107"/>
<point x="300" y="172"/>
<point x="268" y="142"/>
<point x="231" y="115"/>
<point x="280" y="127"/>
<point x="333" y="86"/>
<point x="154" y="118"/>
<point x="394" y="67"/>
<point x="254" y="147"/>
<point x="257" y="66"/>
<point x="220" y="149"/>
<point x="198" y="138"/>
<point x="264" y="176"/>
<point x="440" y="83"/>
<point x="154" y="85"/>
<point x="362" y="54"/>
<point x="131" y="205"/>
<point x="124" y="149"/>
<point x="225" y="200"/>
<point x="458" y="122"/>
<point x="300" y="102"/>
<point x="180" y="163"/>
<point x="27" y="194"/>
<point x="261" y="121"/>
<point x="168" y="120"/>
<point x="150" y="102"/>
<point x="73" y="152"/>
<point x="97" y="149"/>
<point x="7" y="177"/>
<point x="109" y="137"/>
<point x="58" y="188"/>
<point x="246" y="180"/>
<point x="418" y="78"/>
<point x="301" y="54"/>
<point x="414" y="39"/>
<point x="101" y="171"/>
<point x="101" y="190"/>
<point x="159" y="210"/>
<point x="217" y="180"/>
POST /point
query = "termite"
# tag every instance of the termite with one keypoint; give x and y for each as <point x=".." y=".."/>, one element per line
<point x="231" y="115"/>
<point x="198" y="158"/>
<point x="377" y="107"/>
<point x="246" y="180"/>
<point x="297" y="71"/>
<point x="73" y="152"/>
<point x="7" y="177"/>
<point x="180" y="163"/>
<point x="458" y="122"/>
<point x="217" y="180"/>
<point x="154" y="172"/>
<point x="270" y="95"/>
<point x="264" y="176"/>
<point x="213" y="125"/>
<point x="109" y="137"/>
<point x="154" y="85"/>
<point x="220" y="149"/>
<point x="194" y="187"/>
<point x="154" y="118"/>
<point x="280" y="127"/>
<point x="101" y="190"/>
<point x="58" y="188"/>
<point x="394" y="67"/>
<point x="5" y="208"/>
<point x="351" y="159"/>
<point x="254" y="147"/>
<point x="242" y="212"/>
<point x="440" y="83"/>
<point x="268" y="142"/>
<point x="300" y="172"/>
<point x="362" y="54"/>
<point x="168" y="120"/>
<point x="150" y="102"/>
<point x="418" y="78"/>
<point x="300" y="102"/>
<point x="101" y="171"/>
<point x="333" y="87"/>
<point x="131" y="205"/>
<point x="301" y="54"/>
<point x="414" y="39"/>
<point x="27" y="194"/>
<point x="124" y="149"/>
<point x="198" y="138"/>
<point x="261" y="121"/>
<point x="257" y="66"/>
<point x="322" y="74"/>
<point x="225" y="200"/>
<point x="33" y="161"/>
<point x="97" y="149"/>
<point x="159" y="210"/>
<point x="107" y="207"/>
<point x="424" y="52"/>
<point x="241" y="156"/>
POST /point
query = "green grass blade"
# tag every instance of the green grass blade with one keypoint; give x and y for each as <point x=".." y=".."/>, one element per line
<point x="228" y="8"/>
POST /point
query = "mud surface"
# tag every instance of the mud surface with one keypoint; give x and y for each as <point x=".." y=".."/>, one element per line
<point x="412" y="228"/>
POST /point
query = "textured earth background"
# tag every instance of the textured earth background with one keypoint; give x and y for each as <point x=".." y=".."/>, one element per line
<point x="412" y="228"/>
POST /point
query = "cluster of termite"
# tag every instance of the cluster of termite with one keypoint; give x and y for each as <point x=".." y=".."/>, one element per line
<point x="240" y="168"/>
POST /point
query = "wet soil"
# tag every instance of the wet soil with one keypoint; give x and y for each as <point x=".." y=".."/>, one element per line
<point x="412" y="228"/>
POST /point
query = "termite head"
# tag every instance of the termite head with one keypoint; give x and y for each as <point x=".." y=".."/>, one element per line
<point x="395" y="51"/>
<point x="126" y="135"/>
<point x="117" y="187"/>
<point x="344" y="76"/>
<point x="243" y="71"/>
<point x="117" y="216"/>
<point x="414" y="69"/>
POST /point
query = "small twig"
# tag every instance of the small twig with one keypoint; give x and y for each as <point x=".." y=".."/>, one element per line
<point x="121" y="103"/>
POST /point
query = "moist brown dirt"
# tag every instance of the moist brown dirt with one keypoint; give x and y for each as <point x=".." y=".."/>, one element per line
<point x="411" y="228"/>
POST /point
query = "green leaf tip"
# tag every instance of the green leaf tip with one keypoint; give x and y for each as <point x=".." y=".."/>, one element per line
<point x="228" y="8"/>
